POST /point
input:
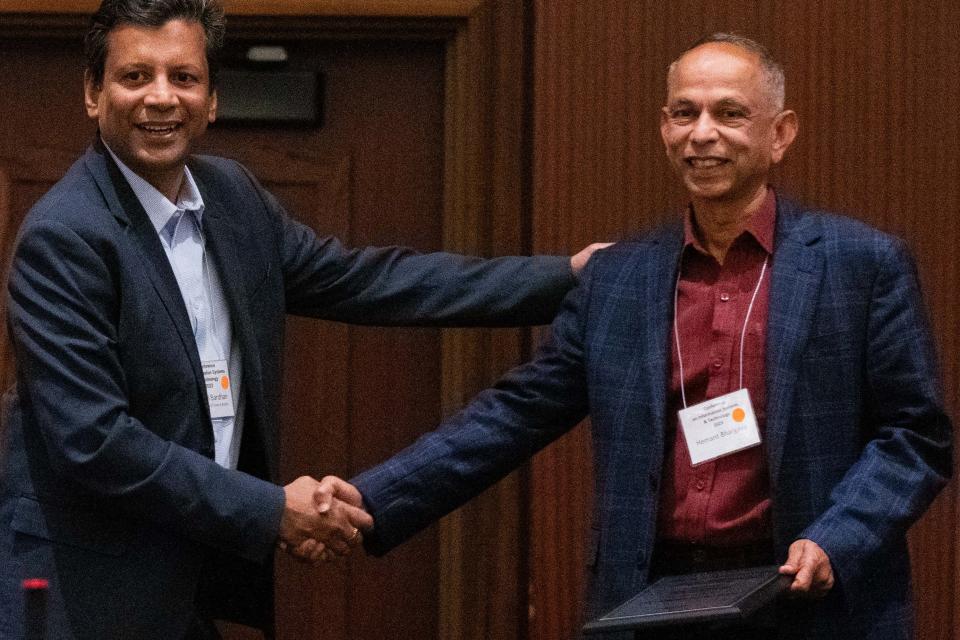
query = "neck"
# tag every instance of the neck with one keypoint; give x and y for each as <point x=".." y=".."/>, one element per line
<point x="168" y="184"/>
<point x="720" y="223"/>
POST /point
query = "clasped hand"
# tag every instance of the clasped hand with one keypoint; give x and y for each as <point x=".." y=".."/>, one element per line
<point x="322" y="520"/>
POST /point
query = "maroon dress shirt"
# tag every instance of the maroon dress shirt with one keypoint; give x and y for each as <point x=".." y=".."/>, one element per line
<point x="724" y="502"/>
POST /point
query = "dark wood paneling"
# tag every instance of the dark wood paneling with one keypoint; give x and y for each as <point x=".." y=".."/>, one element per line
<point x="462" y="579"/>
<point x="371" y="175"/>
<point x="482" y="580"/>
<point x="871" y="82"/>
<point x="42" y="132"/>
<point x="336" y="8"/>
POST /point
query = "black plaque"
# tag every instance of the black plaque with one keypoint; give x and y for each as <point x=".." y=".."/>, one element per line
<point x="716" y="596"/>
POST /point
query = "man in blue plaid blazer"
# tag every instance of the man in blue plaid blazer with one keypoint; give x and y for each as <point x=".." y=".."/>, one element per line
<point x="856" y="441"/>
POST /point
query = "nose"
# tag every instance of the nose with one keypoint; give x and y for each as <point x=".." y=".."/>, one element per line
<point x="704" y="129"/>
<point x="160" y="94"/>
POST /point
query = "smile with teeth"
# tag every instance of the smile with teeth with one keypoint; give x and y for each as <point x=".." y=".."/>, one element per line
<point x="705" y="163"/>
<point x="159" y="128"/>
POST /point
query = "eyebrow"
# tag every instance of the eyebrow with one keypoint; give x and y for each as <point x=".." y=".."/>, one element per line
<point x="682" y="102"/>
<point x="730" y="102"/>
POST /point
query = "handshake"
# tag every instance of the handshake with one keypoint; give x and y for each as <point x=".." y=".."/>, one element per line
<point x="322" y="520"/>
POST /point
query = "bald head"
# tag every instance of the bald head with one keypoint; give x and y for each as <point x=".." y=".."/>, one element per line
<point x="772" y="79"/>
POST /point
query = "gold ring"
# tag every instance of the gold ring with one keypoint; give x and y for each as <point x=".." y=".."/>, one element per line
<point x="353" y="537"/>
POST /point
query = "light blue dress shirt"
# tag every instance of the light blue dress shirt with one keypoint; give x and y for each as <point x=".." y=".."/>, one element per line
<point x="180" y="229"/>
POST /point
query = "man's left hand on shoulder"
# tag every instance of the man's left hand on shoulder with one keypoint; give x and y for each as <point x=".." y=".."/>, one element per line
<point x="810" y="567"/>
<point x="579" y="260"/>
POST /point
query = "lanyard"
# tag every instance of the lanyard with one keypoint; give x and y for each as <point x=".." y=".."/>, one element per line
<point x="743" y="333"/>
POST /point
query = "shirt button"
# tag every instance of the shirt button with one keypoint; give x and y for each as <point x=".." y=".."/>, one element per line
<point x="717" y="364"/>
<point x="700" y="484"/>
<point x="724" y="297"/>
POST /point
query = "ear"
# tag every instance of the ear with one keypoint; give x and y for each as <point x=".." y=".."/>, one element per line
<point x="785" y="127"/>
<point x="212" y="108"/>
<point x="91" y="95"/>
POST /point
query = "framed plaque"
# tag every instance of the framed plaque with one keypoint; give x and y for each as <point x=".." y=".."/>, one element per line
<point x="716" y="596"/>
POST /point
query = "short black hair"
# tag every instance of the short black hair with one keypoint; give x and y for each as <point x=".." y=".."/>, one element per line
<point x="153" y="13"/>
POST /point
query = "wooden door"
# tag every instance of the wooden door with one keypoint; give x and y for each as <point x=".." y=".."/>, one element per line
<point x="371" y="174"/>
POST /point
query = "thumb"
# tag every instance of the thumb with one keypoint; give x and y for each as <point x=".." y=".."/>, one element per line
<point x="794" y="554"/>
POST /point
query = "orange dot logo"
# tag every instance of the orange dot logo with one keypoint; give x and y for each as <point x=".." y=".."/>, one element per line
<point x="224" y="382"/>
<point x="739" y="415"/>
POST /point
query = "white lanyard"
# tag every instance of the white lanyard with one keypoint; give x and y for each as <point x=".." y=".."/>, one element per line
<point x="743" y="333"/>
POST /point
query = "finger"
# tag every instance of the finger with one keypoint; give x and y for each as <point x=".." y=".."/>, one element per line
<point x="340" y="519"/>
<point x="318" y="552"/>
<point x="356" y="539"/>
<point x="339" y="546"/>
<point x="358" y="518"/>
<point x="804" y="577"/>
<point x="823" y="577"/>
<point x="343" y="490"/>
<point x="303" y="550"/>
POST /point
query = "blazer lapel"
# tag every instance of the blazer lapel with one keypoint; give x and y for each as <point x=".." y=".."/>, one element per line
<point x="795" y="287"/>
<point x="665" y="258"/>
<point x="222" y="241"/>
<point x="641" y="313"/>
<point x="125" y="206"/>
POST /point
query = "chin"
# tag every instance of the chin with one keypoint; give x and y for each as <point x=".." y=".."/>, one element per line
<point x="708" y="192"/>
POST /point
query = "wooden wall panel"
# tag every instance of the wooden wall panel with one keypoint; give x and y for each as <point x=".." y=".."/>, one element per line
<point x="873" y="83"/>
<point x="462" y="579"/>
<point x="482" y="580"/>
<point x="336" y="8"/>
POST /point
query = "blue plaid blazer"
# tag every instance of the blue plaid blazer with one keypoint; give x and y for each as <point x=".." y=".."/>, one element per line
<point x="857" y="437"/>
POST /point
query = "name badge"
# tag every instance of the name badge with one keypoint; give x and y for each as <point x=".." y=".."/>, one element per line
<point x="719" y="427"/>
<point x="219" y="395"/>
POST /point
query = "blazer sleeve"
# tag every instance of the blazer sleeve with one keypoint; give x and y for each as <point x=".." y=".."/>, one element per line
<point x="392" y="286"/>
<point x="497" y="432"/>
<point x="906" y="459"/>
<point x="63" y="318"/>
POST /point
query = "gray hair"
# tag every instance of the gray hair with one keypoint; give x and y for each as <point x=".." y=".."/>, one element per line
<point x="774" y="79"/>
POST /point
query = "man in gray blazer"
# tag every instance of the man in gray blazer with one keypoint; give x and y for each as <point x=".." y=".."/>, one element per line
<point x="760" y="377"/>
<point x="147" y="299"/>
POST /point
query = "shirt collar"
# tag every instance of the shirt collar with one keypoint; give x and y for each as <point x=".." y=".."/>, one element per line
<point x="158" y="207"/>
<point x="761" y="225"/>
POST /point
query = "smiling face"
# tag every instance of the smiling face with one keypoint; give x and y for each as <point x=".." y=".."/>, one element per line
<point x="720" y="127"/>
<point x="155" y="100"/>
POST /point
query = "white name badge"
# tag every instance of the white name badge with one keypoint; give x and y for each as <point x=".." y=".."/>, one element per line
<point x="719" y="427"/>
<point x="219" y="395"/>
